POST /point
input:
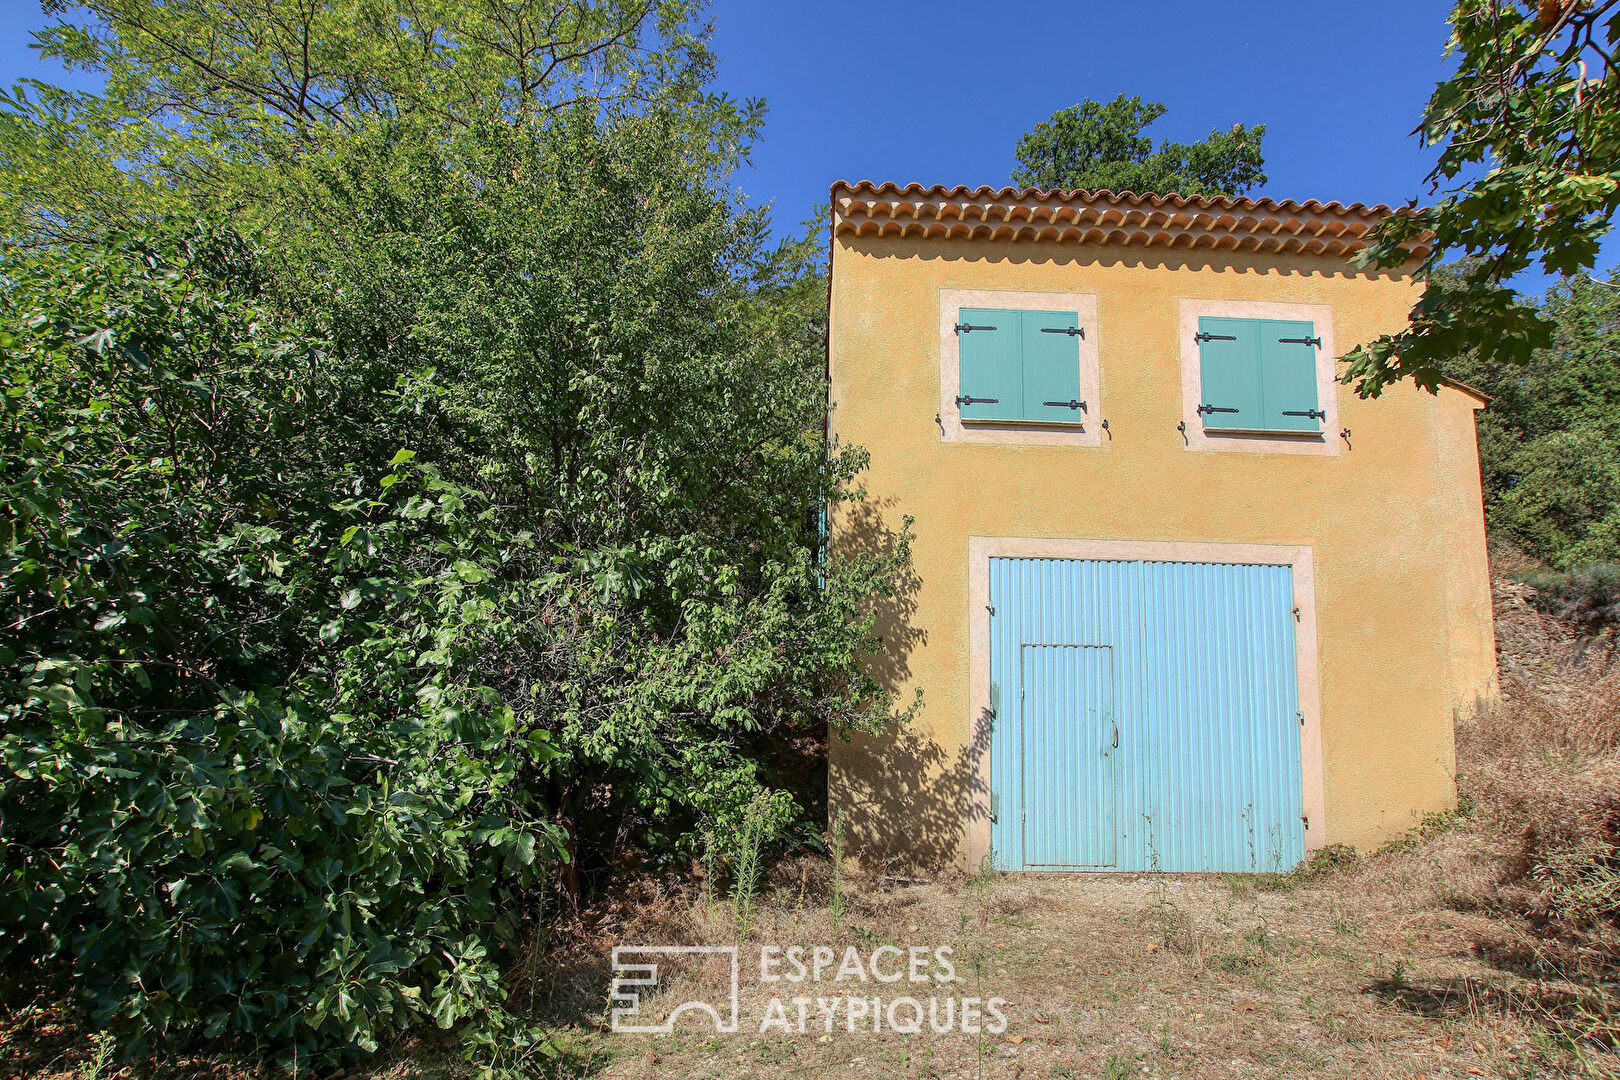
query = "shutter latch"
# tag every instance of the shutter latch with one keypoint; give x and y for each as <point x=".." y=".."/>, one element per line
<point x="1072" y="331"/>
<point x="1203" y="409"/>
<point x="1070" y="404"/>
<point x="1300" y="341"/>
<point x="1314" y="414"/>
<point x="1203" y="336"/>
<point x="964" y="328"/>
<point x="962" y="400"/>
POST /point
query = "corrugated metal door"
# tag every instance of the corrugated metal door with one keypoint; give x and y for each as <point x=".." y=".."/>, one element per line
<point x="1203" y="691"/>
<point x="1067" y="750"/>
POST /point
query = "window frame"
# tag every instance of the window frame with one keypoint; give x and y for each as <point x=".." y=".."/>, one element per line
<point x="1324" y="442"/>
<point x="1086" y="432"/>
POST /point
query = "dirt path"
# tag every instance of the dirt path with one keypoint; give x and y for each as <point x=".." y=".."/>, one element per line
<point x="1352" y="975"/>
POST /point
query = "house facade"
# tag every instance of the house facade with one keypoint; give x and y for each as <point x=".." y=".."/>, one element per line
<point x="1181" y="601"/>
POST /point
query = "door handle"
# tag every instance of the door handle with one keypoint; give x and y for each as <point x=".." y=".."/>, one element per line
<point x="1116" y="736"/>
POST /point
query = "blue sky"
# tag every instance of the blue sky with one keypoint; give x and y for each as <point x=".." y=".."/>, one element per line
<point x="940" y="92"/>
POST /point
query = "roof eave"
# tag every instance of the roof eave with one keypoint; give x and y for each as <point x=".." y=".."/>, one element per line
<point x="1173" y="221"/>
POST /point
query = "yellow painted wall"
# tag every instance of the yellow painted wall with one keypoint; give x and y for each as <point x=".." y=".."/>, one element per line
<point x="1395" y="522"/>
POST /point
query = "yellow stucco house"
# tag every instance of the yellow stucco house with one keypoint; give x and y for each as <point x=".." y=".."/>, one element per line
<point x="1182" y="601"/>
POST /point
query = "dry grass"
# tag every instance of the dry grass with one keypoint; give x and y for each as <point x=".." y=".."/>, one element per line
<point x="1485" y="944"/>
<point x="1116" y="976"/>
<point x="1542" y="773"/>
<point x="1363" y="972"/>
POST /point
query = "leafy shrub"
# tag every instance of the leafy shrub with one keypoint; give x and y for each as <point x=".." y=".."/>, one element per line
<point x="1581" y="883"/>
<point x="1587" y="596"/>
<point x="355" y="718"/>
<point x="1546" y="443"/>
<point x="251" y="785"/>
<point x="529" y="263"/>
<point x="1564" y="497"/>
<point x="582" y="322"/>
<point x="357" y="713"/>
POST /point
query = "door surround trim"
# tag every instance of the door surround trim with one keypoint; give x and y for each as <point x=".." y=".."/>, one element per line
<point x="981" y="549"/>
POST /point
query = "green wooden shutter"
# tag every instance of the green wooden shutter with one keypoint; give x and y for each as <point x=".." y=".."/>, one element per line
<point x="1229" y="365"/>
<point x="1288" y="352"/>
<point x="989" y="374"/>
<point x="1051" y="353"/>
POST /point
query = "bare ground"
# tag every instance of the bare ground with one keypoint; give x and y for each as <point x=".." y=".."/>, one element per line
<point x="1364" y="971"/>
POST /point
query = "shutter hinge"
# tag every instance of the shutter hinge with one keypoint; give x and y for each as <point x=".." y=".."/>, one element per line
<point x="1314" y="414"/>
<point x="1203" y="336"/>
<point x="962" y="399"/>
<point x="1203" y="409"/>
<point x="966" y="328"/>
<point x="1070" y="404"/>
<point x="1300" y="341"/>
<point x="1072" y="331"/>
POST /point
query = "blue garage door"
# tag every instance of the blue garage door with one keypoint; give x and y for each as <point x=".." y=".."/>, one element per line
<point x="1146" y="716"/>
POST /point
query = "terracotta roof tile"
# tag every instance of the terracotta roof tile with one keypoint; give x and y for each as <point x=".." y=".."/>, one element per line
<point x="1105" y="217"/>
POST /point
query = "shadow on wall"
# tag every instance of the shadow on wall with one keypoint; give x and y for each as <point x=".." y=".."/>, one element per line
<point x="903" y="799"/>
<point x="862" y="529"/>
<point x="1152" y="258"/>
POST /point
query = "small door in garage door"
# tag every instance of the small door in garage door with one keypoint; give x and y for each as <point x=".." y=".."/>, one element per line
<point x="1068" y="746"/>
<point x="1192" y="666"/>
